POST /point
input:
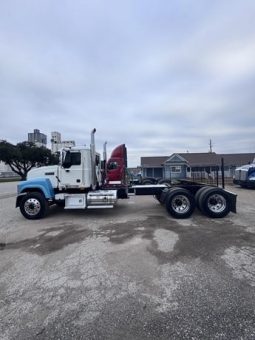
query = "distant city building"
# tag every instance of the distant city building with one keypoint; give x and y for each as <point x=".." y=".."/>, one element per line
<point x="55" y="141"/>
<point x="38" y="138"/>
<point x="67" y="143"/>
<point x="57" y="144"/>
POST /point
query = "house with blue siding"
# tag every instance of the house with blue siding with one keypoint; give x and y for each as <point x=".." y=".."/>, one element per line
<point x="193" y="165"/>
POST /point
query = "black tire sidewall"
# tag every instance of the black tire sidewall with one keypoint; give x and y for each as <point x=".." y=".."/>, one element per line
<point x="43" y="203"/>
<point x="178" y="191"/>
<point x="199" y="193"/>
<point x="203" y="203"/>
<point x="147" y="182"/>
<point x="164" y="181"/>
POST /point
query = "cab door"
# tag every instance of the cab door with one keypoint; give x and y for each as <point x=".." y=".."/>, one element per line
<point x="71" y="174"/>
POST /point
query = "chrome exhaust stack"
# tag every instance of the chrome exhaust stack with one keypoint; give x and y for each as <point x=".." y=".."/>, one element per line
<point x="93" y="158"/>
<point x="105" y="157"/>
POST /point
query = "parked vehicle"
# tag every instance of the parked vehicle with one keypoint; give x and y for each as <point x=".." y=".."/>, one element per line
<point x="245" y="176"/>
<point x="83" y="181"/>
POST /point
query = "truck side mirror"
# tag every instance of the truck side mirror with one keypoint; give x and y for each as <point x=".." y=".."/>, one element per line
<point x="97" y="160"/>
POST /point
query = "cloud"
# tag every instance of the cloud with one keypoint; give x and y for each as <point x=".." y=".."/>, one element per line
<point x="161" y="77"/>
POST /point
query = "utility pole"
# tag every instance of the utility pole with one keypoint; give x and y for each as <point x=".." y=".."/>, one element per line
<point x="210" y="145"/>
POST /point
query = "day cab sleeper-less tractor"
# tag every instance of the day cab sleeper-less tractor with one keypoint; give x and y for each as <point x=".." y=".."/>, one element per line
<point x="83" y="181"/>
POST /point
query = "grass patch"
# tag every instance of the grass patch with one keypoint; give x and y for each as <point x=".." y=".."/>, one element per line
<point x="12" y="179"/>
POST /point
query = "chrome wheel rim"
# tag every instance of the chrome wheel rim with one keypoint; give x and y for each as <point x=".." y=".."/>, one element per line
<point x="217" y="203"/>
<point x="180" y="204"/>
<point x="32" y="206"/>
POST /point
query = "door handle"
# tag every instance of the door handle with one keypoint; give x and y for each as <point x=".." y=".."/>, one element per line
<point x="67" y="170"/>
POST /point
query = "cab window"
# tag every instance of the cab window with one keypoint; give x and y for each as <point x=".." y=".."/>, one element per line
<point x="71" y="158"/>
<point x="75" y="158"/>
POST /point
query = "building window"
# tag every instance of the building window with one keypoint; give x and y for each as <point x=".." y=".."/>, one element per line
<point x="158" y="172"/>
<point x="175" y="169"/>
<point x="149" y="172"/>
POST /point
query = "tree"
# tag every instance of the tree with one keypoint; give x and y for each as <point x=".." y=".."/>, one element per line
<point x="24" y="156"/>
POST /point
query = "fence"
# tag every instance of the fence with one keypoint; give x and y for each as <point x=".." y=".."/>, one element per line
<point x="213" y="178"/>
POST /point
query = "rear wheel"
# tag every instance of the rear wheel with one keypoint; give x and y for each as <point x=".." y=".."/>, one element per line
<point x="33" y="206"/>
<point x="198" y="194"/>
<point x="180" y="203"/>
<point x="214" y="202"/>
<point x="164" y="181"/>
<point x="147" y="182"/>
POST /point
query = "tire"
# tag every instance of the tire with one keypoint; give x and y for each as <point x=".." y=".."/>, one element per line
<point x="180" y="203"/>
<point x="214" y="203"/>
<point x="198" y="194"/>
<point x="147" y="182"/>
<point x="164" y="181"/>
<point x="33" y="206"/>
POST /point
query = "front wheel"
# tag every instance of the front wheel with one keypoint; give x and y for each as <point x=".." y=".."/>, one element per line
<point x="33" y="206"/>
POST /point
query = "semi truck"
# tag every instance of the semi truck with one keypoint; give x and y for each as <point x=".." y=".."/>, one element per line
<point x="245" y="176"/>
<point x="82" y="180"/>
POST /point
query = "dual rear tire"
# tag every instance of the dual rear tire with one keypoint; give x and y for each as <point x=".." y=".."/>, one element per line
<point x="211" y="201"/>
<point x="180" y="203"/>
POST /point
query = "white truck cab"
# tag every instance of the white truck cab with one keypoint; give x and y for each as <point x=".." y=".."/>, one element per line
<point x="75" y="170"/>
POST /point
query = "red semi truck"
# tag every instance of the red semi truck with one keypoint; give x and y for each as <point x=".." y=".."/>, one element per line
<point x="83" y="181"/>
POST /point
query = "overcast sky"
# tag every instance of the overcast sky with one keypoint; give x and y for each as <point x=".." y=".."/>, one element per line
<point x="161" y="76"/>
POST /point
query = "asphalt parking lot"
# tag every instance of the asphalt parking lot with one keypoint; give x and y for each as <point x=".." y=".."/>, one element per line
<point x="131" y="272"/>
